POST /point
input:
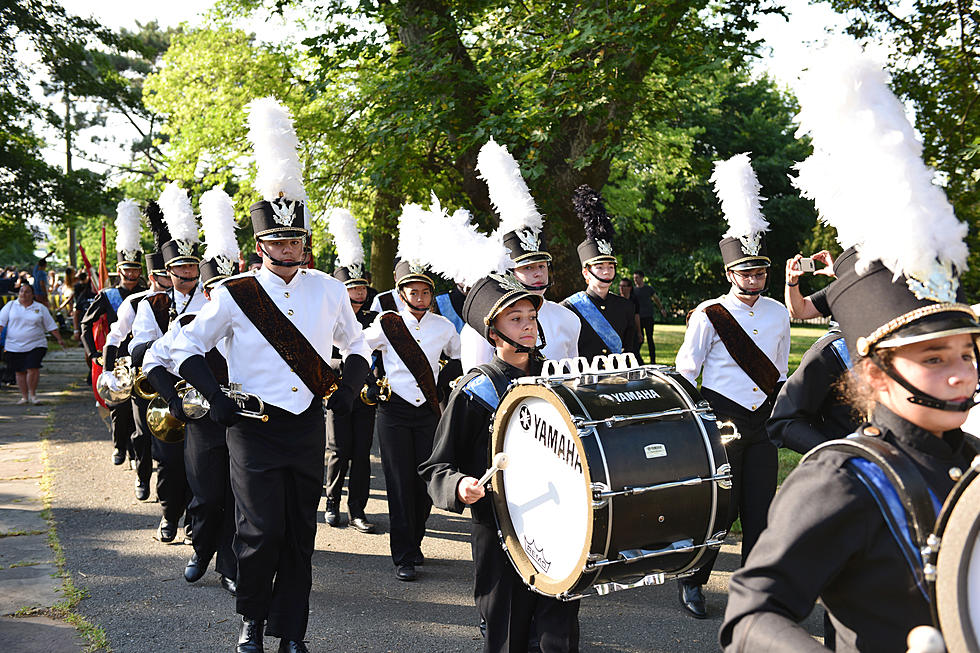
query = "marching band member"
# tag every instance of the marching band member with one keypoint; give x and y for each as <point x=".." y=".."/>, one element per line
<point x="521" y="225"/>
<point x="211" y="508"/>
<point x="350" y="436"/>
<point x="107" y="304"/>
<point x="119" y="338"/>
<point x="153" y="318"/>
<point x="739" y="345"/>
<point x="848" y="525"/>
<point x="411" y="342"/>
<point x="279" y="324"/>
<point x="505" y="312"/>
<point x="608" y="321"/>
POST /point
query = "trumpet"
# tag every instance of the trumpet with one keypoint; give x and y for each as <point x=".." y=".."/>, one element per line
<point x="142" y="387"/>
<point x="375" y="390"/>
<point x="195" y="406"/>
<point x="115" y="387"/>
<point x="161" y="422"/>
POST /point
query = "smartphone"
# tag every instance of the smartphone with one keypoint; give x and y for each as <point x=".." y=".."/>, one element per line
<point x="806" y="265"/>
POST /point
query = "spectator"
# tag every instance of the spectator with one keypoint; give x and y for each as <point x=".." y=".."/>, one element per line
<point x="626" y="291"/>
<point x="23" y="324"/>
<point x="82" y="296"/>
<point x="646" y="298"/>
<point x="41" y="280"/>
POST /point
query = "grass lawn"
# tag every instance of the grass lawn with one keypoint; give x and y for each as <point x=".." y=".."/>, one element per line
<point x="669" y="337"/>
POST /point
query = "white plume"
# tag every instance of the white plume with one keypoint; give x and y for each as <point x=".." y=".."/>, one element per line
<point x="346" y="238"/>
<point x="411" y="233"/>
<point x="455" y="249"/>
<point x="866" y="174"/>
<point x="128" y="225"/>
<point x="218" y="222"/>
<point x="275" y="146"/>
<point x="177" y="212"/>
<point x="737" y="189"/>
<point x="508" y="192"/>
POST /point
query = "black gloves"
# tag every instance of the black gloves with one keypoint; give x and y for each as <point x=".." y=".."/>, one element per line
<point x="163" y="382"/>
<point x="109" y="355"/>
<point x="138" y="352"/>
<point x="356" y="369"/>
<point x="195" y="371"/>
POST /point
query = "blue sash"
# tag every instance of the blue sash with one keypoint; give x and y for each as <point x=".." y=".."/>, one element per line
<point x="447" y="311"/>
<point x="581" y="303"/>
<point x="114" y="297"/>
<point x="840" y="347"/>
<point x="480" y="387"/>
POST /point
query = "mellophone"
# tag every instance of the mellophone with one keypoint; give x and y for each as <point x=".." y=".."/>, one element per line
<point x="616" y="476"/>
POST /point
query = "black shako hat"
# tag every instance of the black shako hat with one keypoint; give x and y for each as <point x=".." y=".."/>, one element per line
<point x="407" y="272"/>
<point x="181" y="252"/>
<point x="154" y="263"/>
<point x="279" y="219"/>
<point x="351" y="280"/>
<point x="738" y="254"/>
<point x="489" y="296"/>
<point x="217" y="269"/>
<point x="876" y="311"/>
<point x="526" y="247"/>
<point x="591" y="209"/>
<point x="129" y="258"/>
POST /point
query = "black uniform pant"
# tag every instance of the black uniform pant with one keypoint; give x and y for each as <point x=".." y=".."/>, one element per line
<point x="646" y="332"/>
<point x="277" y="479"/>
<point x="755" y="462"/>
<point x="121" y="427"/>
<point x="141" y="440"/>
<point x="509" y="607"/>
<point x="349" y="440"/>
<point x="212" y="507"/>
<point x="172" y="489"/>
<point x="405" y="435"/>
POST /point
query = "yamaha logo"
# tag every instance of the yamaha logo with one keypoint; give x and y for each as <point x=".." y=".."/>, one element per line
<point x="624" y="397"/>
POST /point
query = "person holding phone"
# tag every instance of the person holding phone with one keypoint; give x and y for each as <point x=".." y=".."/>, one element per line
<point x="814" y="305"/>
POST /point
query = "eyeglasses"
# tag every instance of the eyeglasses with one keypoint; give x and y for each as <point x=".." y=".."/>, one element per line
<point x="757" y="275"/>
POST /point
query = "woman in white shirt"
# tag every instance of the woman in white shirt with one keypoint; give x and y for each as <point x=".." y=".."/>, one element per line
<point x="24" y="323"/>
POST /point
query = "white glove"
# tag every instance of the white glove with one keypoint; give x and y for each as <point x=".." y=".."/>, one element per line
<point x="925" y="639"/>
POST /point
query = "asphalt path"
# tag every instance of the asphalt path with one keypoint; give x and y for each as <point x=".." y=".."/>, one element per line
<point x="137" y="593"/>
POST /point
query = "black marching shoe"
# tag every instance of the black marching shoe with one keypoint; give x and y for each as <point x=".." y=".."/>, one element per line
<point x="419" y="559"/>
<point x="331" y="516"/>
<point x="195" y="568"/>
<point x="405" y="572"/>
<point x="230" y="585"/>
<point x="362" y="524"/>
<point x="250" y="639"/>
<point x="167" y="530"/>
<point x="692" y="599"/>
<point x="292" y="646"/>
<point x="142" y="490"/>
<point x="118" y="456"/>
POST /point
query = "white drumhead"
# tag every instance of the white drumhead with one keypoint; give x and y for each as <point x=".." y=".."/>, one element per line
<point x="548" y="502"/>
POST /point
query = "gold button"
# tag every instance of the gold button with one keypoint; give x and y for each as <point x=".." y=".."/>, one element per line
<point x="303" y="272"/>
<point x="751" y="313"/>
<point x="286" y="293"/>
<point x="604" y="351"/>
<point x="753" y="406"/>
<point x="289" y="312"/>
<point x="755" y="389"/>
<point x="295" y="389"/>
<point x="755" y="332"/>
<point x="416" y="328"/>
<point x="872" y="430"/>
<point x="603" y="307"/>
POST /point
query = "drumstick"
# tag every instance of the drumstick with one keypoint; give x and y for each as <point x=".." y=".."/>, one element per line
<point x="499" y="462"/>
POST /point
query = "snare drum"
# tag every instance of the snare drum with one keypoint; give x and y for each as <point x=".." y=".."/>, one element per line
<point x="615" y="480"/>
<point x="953" y="565"/>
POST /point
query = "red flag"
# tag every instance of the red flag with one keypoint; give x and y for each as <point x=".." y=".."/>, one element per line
<point x="92" y="281"/>
<point x="103" y="270"/>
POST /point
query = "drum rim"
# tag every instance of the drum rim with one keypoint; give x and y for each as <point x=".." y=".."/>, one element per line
<point x="525" y="569"/>
<point x="957" y="542"/>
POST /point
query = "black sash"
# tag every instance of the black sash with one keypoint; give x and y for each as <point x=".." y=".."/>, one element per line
<point x="743" y="350"/>
<point x="288" y="341"/>
<point x="160" y="304"/>
<point x="412" y="355"/>
<point x="387" y="301"/>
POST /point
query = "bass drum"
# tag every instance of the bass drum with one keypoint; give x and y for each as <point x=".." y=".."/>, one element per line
<point x="614" y="480"/>
<point x="956" y="584"/>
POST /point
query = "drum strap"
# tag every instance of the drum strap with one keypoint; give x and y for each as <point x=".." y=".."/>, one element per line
<point x="743" y="350"/>
<point x="447" y="310"/>
<point x="486" y="385"/>
<point x="840" y="348"/>
<point x="907" y="504"/>
<point x="593" y="316"/>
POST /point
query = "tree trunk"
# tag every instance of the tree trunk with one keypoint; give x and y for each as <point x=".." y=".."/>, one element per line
<point x="72" y="239"/>
<point x="383" y="242"/>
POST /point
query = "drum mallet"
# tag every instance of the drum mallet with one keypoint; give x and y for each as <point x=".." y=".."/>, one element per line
<point x="499" y="462"/>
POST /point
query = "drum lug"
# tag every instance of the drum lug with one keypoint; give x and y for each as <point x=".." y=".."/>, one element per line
<point x="929" y="571"/>
<point x="931" y="548"/>
<point x="598" y="500"/>
<point x="725" y="469"/>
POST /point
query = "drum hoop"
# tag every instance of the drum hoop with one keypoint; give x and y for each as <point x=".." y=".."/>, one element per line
<point x="538" y="581"/>
<point x="957" y="542"/>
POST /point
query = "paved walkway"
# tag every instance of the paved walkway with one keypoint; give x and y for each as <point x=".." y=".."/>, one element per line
<point x="29" y="581"/>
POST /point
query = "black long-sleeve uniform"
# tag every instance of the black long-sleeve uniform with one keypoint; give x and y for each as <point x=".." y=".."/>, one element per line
<point x="461" y="448"/>
<point x="620" y="313"/>
<point x="827" y="538"/>
<point x="808" y="411"/>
